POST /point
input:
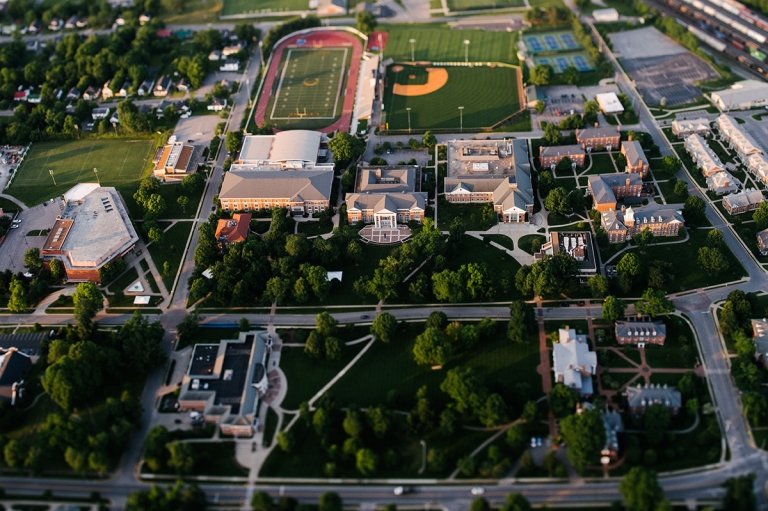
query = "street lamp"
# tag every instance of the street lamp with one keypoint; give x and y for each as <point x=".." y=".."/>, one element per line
<point x="50" y="171"/>
<point x="466" y="50"/>
<point x="408" y="109"/>
<point x="413" y="55"/>
<point x="461" y="118"/>
<point x="97" y="175"/>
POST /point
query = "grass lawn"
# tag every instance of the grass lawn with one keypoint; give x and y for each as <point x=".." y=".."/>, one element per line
<point x="471" y="216"/>
<point x="170" y="249"/>
<point x="343" y="293"/>
<point x="194" y="12"/>
<point x="256" y="7"/>
<point x="748" y="233"/>
<point x="487" y="94"/>
<point x="668" y="190"/>
<point x="270" y="426"/>
<point x="120" y="163"/>
<point x="217" y="459"/>
<point x="501" y="239"/>
<point x="679" y="349"/>
<point x="123" y="281"/>
<point x="312" y="228"/>
<point x="602" y="164"/>
<point x="473" y="250"/>
<point x="435" y="42"/>
<point x="467" y="5"/>
<point x="526" y="242"/>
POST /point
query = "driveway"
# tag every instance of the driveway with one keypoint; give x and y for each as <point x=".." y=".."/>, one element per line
<point x="16" y="242"/>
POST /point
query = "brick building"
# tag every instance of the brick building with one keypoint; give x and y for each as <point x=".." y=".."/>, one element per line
<point x="598" y="138"/>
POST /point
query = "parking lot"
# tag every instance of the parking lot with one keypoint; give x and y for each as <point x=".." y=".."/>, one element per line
<point x="562" y="101"/>
<point x="17" y="242"/>
<point x="198" y="129"/>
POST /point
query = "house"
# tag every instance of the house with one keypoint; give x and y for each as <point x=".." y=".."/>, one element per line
<point x="146" y="87"/>
<point x="163" y="86"/>
<point x="176" y="160"/>
<point x="722" y="183"/>
<point x="214" y="56"/>
<point x="331" y="7"/>
<point x="73" y="94"/>
<point x="598" y="138"/>
<point x="182" y="85"/>
<point x="91" y="93"/>
<point x="386" y="210"/>
<point x="745" y="200"/>
<point x="289" y="149"/>
<point x="745" y="146"/>
<point x="743" y="95"/>
<point x="640" y="333"/>
<point x="681" y="128"/>
<point x="230" y="65"/>
<point x="757" y="164"/>
<point x="232" y="49"/>
<point x="704" y="157"/>
<point x="609" y="103"/>
<point x="100" y="113"/>
<point x="124" y="89"/>
<point x="234" y="230"/>
<point x="640" y="397"/>
<point x="633" y="152"/>
<point x="13" y="367"/>
<point x="226" y="382"/>
<point x="553" y="155"/>
<point x="760" y="336"/>
<point x="493" y="171"/>
<point x="606" y="189"/>
<point x="572" y="361"/>
<point x="106" y="91"/>
<point x="55" y="24"/>
<point x="762" y="242"/>
<point x="93" y="229"/>
<point x="71" y="23"/>
<point x="577" y="244"/>
<point x="217" y="105"/>
<point x="301" y="191"/>
<point x="663" y="220"/>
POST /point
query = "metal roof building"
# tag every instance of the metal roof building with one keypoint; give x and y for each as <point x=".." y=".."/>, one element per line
<point x="742" y="96"/>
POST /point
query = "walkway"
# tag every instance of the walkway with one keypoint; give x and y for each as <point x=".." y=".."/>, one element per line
<point x="545" y="367"/>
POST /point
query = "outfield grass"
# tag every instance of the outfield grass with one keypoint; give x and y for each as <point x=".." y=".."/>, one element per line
<point x="441" y="43"/>
<point x="120" y="163"/>
<point x="170" y="249"/>
<point x="255" y="7"/>
<point x="488" y="95"/>
<point x="468" y="5"/>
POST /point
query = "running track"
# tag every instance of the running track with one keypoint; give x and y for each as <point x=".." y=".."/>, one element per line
<point x="322" y="38"/>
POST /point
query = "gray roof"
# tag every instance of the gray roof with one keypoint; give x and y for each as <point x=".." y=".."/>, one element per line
<point x="742" y="92"/>
<point x="762" y="238"/>
<point x="601" y="186"/>
<point x="634" y="152"/>
<point x="295" y="185"/>
<point x="393" y="202"/>
<point x="289" y="145"/>
<point x="641" y="396"/>
<point x="13" y="365"/>
<point x="573" y="362"/>
<point x="28" y="343"/>
<point x="400" y="178"/>
<point x="744" y="198"/>
<point x="640" y="328"/>
<point x="560" y="150"/>
<point x="600" y="132"/>
<point x="473" y="184"/>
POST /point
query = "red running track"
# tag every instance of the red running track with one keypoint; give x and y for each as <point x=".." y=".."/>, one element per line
<point x="320" y="39"/>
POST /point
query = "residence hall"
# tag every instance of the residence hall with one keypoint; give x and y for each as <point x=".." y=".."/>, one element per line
<point x="743" y="201"/>
<point x="750" y="153"/>
<point x="641" y="396"/>
<point x="386" y="196"/>
<point x="491" y="171"/>
<point x="637" y="163"/>
<point x="598" y="138"/>
<point x="93" y="229"/>
<point x="681" y="128"/>
<point x="607" y="189"/>
<point x="553" y="155"/>
<point x="663" y="220"/>
<point x="640" y="333"/>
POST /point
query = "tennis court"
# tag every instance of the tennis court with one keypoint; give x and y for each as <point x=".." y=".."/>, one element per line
<point x="549" y="42"/>
<point x="310" y="84"/>
<point x="564" y="60"/>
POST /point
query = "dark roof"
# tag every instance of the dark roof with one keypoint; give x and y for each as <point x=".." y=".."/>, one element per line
<point x="27" y="343"/>
<point x="13" y="366"/>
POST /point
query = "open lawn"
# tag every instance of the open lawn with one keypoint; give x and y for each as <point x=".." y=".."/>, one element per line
<point x="467" y="5"/>
<point x="526" y="242"/>
<point x="471" y="215"/>
<point x="120" y="163"/>
<point x="343" y="293"/>
<point x="679" y="350"/>
<point x="260" y="7"/>
<point x="443" y="43"/>
<point x="170" y="249"/>
<point x="487" y="95"/>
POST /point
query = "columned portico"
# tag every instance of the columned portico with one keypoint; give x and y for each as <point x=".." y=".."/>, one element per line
<point x="385" y="220"/>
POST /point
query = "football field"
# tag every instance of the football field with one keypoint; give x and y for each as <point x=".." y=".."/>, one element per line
<point x="310" y="85"/>
<point x="117" y="163"/>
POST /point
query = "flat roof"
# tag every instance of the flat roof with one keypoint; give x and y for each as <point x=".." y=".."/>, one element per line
<point x="285" y="146"/>
<point x="609" y="103"/>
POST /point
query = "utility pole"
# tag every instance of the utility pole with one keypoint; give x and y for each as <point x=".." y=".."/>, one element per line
<point x="461" y="118"/>
<point x="408" y="109"/>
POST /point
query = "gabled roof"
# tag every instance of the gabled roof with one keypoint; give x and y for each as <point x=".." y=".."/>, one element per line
<point x="295" y="185"/>
<point x="13" y="366"/>
<point x="573" y="361"/>
<point x="234" y="230"/>
<point x="640" y="328"/>
<point x="612" y="221"/>
<point x="600" y="190"/>
<point x="641" y="396"/>
<point x="633" y="151"/>
<point x="383" y="202"/>
<point x="399" y="178"/>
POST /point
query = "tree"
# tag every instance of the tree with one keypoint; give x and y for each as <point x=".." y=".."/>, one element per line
<point x="640" y="490"/>
<point x="562" y="400"/>
<point x="671" y="164"/>
<point x="325" y="324"/>
<point x="188" y="328"/>
<point x="693" y="210"/>
<point x="285" y="441"/>
<point x="465" y="389"/>
<point x="330" y="501"/>
<point x="365" y="461"/>
<point x="653" y="303"/>
<point x="570" y="75"/>
<point x="760" y="216"/>
<point x="176" y="497"/>
<point x="629" y="269"/>
<point x="262" y="501"/>
<point x="656" y="421"/>
<point x="521" y="320"/>
<point x="18" y="299"/>
<point x="643" y="239"/>
<point x="712" y="259"/>
<point x="557" y="201"/>
<point x="384" y="327"/>
<point x="429" y="139"/>
<point x="182" y="457"/>
<point x="584" y="434"/>
<point x="551" y="134"/>
<point x="154" y="205"/>
<point x="740" y="494"/>
<point x="613" y="309"/>
<point x="516" y="502"/>
<point x="598" y="286"/>
<point x="142" y="343"/>
<point x="345" y="148"/>
<point x="183" y="202"/>
<point x="233" y="141"/>
<point x="155" y="453"/>
<point x="32" y="260"/>
<point x="88" y="301"/>
<point x="479" y="504"/>
<point x="365" y="22"/>
<point x="681" y="189"/>
<point x="541" y="74"/>
<point x="431" y="347"/>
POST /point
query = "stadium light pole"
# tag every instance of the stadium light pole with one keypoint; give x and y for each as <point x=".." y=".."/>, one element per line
<point x="461" y="118"/>
<point x="408" y="109"/>
<point x="413" y="54"/>
<point x="50" y="171"/>
<point x="466" y="50"/>
<point x="97" y="175"/>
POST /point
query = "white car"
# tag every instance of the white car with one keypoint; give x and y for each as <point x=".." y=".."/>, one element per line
<point x="477" y="490"/>
<point x="402" y="490"/>
<point x="14" y="226"/>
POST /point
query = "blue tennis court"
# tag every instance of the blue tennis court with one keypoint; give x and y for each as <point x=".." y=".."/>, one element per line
<point x="563" y="61"/>
<point x="568" y="41"/>
<point x="550" y="42"/>
<point x="533" y="44"/>
<point x="581" y="63"/>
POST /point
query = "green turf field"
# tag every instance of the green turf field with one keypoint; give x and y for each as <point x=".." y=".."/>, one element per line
<point x="234" y="7"/>
<point x="466" y="5"/>
<point x="309" y="86"/>
<point x="119" y="163"/>
<point x="442" y="43"/>
<point x="487" y="94"/>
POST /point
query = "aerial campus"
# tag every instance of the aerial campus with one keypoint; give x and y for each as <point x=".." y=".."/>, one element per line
<point x="337" y="254"/>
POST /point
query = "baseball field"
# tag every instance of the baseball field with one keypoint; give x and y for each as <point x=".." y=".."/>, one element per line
<point x="117" y="163"/>
<point x="443" y="43"/>
<point x="434" y="95"/>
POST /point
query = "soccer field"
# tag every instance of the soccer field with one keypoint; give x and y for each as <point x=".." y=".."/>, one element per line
<point x="466" y="5"/>
<point x="442" y="43"/>
<point x="118" y="163"/>
<point x="234" y="7"/>
<point x="486" y="94"/>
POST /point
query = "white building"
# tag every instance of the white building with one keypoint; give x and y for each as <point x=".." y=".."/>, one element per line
<point x="609" y="103"/>
<point x="684" y="127"/>
<point x="742" y="96"/>
<point x="605" y="15"/>
<point x="573" y="363"/>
